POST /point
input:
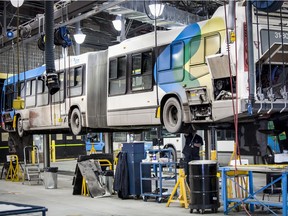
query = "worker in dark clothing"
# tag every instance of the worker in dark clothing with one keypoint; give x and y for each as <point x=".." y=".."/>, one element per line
<point x="191" y="150"/>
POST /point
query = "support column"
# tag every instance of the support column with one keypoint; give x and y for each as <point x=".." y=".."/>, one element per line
<point x="108" y="137"/>
<point x="46" y="150"/>
<point x="210" y="144"/>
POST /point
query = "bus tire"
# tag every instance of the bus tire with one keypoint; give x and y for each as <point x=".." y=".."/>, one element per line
<point x="76" y="122"/>
<point x="172" y="115"/>
<point x="19" y="126"/>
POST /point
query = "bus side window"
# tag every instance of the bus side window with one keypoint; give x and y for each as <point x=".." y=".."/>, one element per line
<point x="28" y="87"/>
<point x="212" y="44"/>
<point x="117" y="76"/>
<point x="22" y="89"/>
<point x="42" y="93"/>
<point x="141" y="71"/>
<point x="9" y="96"/>
<point x="170" y="63"/>
<point x="197" y="51"/>
<point x="30" y="99"/>
<point x="75" y="81"/>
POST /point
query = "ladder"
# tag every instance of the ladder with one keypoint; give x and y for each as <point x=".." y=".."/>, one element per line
<point x="31" y="165"/>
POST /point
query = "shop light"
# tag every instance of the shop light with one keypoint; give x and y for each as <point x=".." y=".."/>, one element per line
<point x="17" y="3"/>
<point x="156" y="9"/>
<point x="117" y="23"/>
<point x="79" y="37"/>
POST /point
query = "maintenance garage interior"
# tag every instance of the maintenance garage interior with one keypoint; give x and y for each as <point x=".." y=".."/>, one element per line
<point x="143" y="107"/>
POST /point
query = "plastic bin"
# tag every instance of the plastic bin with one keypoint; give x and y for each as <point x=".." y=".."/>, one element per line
<point x="50" y="177"/>
<point x="108" y="180"/>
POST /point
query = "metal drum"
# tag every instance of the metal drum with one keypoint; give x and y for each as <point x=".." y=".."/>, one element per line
<point x="204" y="186"/>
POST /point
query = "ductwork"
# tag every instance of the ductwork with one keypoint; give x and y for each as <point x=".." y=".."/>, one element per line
<point x="52" y="80"/>
<point x="137" y="10"/>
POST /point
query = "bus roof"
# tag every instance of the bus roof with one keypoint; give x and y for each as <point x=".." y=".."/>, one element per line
<point x="26" y="75"/>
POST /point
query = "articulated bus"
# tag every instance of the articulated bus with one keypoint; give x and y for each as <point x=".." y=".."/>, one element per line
<point x="198" y="74"/>
<point x="79" y="104"/>
<point x="201" y="74"/>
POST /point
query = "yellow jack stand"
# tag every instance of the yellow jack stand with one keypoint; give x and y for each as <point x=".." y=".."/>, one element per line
<point x="93" y="150"/>
<point x="84" y="190"/>
<point x="14" y="172"/>
<point x="184" y="192"/>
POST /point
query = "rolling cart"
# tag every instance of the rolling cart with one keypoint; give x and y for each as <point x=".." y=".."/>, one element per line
<point x="161" y="172"/>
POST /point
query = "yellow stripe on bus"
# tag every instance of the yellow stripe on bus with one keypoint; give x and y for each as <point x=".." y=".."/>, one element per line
<point x="63" y="145"/>
<point x="4" y="147"/>
<point x="4" y="75"/>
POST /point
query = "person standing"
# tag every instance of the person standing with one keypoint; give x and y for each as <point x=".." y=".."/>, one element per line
<point x="191" y="150"/>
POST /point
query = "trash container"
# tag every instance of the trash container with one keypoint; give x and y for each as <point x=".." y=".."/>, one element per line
<point x="204" y="185"/>
<point x="50" y="177"/>
<point x="108" y="180"/>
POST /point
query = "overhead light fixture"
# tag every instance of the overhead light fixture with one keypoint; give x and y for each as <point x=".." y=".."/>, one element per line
<point x="10" y="34"/>
<point x="156" y="9"/>
<point x="17" y="3"/>
<point x="79" y="37"/>
<point x="117" y="23"/>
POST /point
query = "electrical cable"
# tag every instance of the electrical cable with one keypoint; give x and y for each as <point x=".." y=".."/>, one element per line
<point x="18" y="56"/>
<point x="156" y="47"/>
<point x="282" y="53"/>
<point x="235" y="110"/>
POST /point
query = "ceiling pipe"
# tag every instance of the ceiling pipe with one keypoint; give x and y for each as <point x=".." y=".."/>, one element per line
<point x="52" y="80"/>
<point x="231" y="15"/>
<point x="251" y="73"/>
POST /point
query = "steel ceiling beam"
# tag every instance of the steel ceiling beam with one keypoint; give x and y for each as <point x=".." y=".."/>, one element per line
<point x="72" y="10"/>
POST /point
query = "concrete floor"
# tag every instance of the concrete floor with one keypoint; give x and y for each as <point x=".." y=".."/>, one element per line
<point x="61" y="202"/>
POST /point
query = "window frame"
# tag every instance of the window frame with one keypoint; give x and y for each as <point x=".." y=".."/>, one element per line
<point x="118" y="78"/>
<point x="143" y="73"/>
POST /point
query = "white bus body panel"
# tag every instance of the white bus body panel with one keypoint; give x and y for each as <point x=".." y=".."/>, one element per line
<point x="92" y="104"/>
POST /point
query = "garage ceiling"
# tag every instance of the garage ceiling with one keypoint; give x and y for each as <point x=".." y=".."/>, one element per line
<point x="96" y="18"/>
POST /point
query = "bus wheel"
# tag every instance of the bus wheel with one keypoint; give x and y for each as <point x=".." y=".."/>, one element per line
<point x="19" y="126"/>
<point x="75" y="122"/>
<point x="172" y="115"/>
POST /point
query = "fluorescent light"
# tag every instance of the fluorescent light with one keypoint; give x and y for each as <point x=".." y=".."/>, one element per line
<point x="117" y="23"/>
<point x="156" y="9"/>
<point x="79" y="37"/>
<point x="17" y="3"/>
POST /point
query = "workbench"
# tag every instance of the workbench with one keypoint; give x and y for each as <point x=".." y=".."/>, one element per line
<point x="251" y="199"/>
<point x="8" y="208"/>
